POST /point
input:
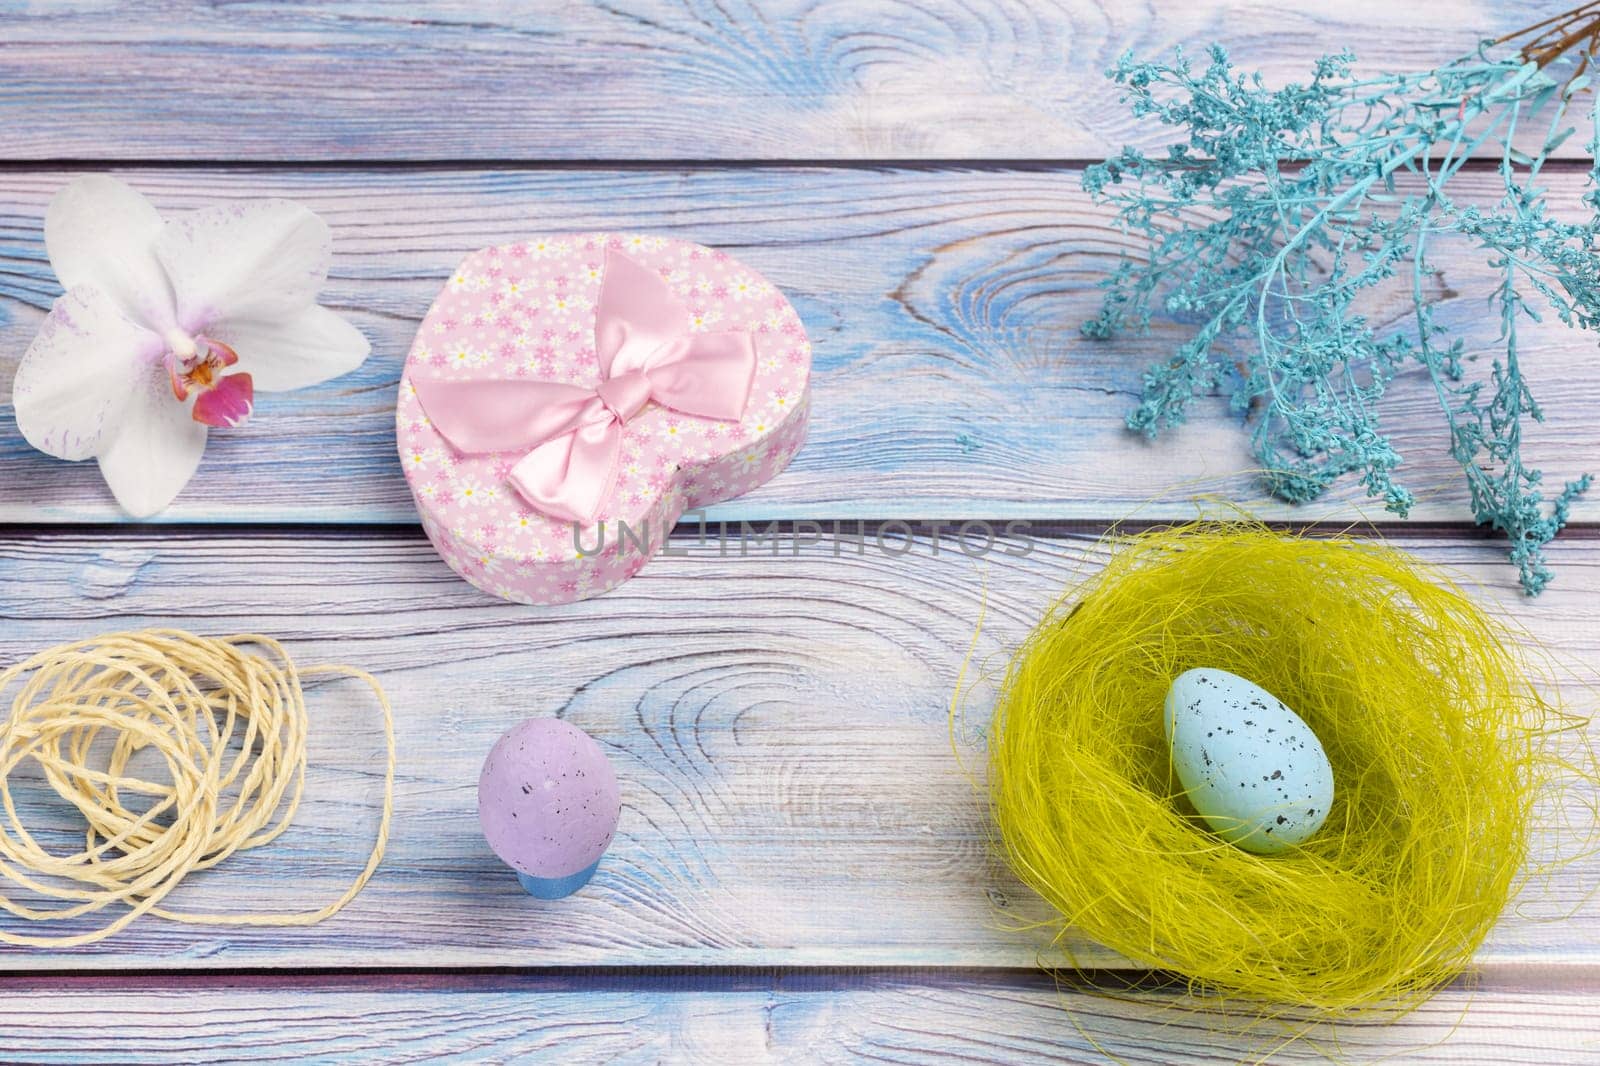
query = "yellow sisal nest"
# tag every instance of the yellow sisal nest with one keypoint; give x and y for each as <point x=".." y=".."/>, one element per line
<point x="1421" y="701"/>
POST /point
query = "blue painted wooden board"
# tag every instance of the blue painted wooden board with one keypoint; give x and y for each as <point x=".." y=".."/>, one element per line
<point x="943" y="306"/>
<point x="779" y="727"/>
<point x="649" y="79"/>
<point x="793" y="803"/>
<point x="912" y="1018"/>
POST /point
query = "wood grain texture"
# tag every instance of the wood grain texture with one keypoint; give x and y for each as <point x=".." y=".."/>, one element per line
<point x="943" y="305"/>
<point x="794" y="805"/>
<point x="918" y="1018"/>
<point x="779" y="724"/>
<point x="648" y="79"/>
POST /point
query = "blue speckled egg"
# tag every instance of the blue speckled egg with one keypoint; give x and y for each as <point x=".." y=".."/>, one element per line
<point x="1251" y="767"/>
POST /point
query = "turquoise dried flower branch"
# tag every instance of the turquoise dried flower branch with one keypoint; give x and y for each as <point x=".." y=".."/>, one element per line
<point x="1281" y="207"/>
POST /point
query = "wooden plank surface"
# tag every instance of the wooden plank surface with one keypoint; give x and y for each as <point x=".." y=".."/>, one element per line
<point x="913" y="1018"/>
<point x="779" y="727"/>
<point x="802" y="870"/>
<point x="649" y="79"/>
<point x="943" y="306"/>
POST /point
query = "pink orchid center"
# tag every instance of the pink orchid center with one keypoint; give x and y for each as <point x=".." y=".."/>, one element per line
<point x="196" y="365"/>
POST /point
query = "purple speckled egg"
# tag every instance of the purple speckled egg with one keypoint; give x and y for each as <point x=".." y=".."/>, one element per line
<point x="548" y="799"/>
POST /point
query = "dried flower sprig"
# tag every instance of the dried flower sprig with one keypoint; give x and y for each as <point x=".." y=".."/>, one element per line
<point x="1282" y="207"/>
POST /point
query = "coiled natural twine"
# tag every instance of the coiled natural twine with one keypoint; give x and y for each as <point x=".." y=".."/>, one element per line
<point x="228" y="724"/>
<point x="1424" y="706"/>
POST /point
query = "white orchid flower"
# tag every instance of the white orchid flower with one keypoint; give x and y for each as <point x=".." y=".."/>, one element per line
<point x="168" y="328"/>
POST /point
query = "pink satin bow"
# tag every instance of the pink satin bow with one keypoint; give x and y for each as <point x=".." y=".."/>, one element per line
<point x="573" y="435"/>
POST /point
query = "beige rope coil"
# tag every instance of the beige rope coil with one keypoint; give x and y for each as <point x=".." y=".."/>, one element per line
<point x="230" y="726"/>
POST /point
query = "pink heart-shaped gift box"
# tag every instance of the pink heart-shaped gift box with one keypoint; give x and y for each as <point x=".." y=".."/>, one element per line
<point x="526" y="313"/>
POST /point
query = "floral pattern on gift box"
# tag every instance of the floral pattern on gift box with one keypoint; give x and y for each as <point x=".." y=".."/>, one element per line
<point x="527" y="311"/>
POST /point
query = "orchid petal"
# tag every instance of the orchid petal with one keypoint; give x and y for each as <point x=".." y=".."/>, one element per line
<point x="156" y="450"/>
<point x="175" y="375"/>
<point x="73" y="384"/>
<point x="227" y="403"/>
<point x="304" y="349"/>
<point x="101" y="232"/>
<point x="263" y="259"/>
<point x="220" y="353"/>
